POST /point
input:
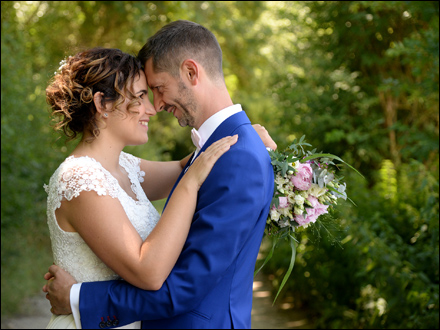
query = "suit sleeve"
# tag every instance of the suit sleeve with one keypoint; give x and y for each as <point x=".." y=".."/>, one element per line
<point x="229" y="204"/>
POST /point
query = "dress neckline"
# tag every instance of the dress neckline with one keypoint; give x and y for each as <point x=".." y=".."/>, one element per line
<point x="137" y="200"/>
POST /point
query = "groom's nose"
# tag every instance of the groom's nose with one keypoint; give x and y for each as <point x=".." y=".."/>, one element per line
<point x="159" y="105"/>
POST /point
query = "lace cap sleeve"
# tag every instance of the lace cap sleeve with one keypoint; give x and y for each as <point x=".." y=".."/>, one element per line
<point x="80" y="174"/>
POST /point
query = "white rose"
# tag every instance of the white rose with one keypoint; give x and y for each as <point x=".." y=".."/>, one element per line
<point x="299" y="199"/>
<point x="274" y="215"/>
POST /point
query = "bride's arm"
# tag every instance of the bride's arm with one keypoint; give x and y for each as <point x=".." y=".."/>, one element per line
<point x="161" y="176"/>
<point x="103" y="224"/>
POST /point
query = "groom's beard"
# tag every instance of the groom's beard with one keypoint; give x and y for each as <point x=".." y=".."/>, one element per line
<point x="187" y="106"/>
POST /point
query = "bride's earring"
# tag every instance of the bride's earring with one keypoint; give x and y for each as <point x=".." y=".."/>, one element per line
<point x="106" y="115"/>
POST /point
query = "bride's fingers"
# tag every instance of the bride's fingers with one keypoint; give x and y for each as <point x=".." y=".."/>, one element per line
<point x="204" y="163"/>
<point x="209" y="157"/>
<point x="214" y="153"/>
<point x="221" y="146"/>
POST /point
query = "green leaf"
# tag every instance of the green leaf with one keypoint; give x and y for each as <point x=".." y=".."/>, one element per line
<point x="269" y="256"/>
<point x="351" y="201"/>
<point x="292" y="242"/>
<point x="275" y="201"/>
<point x="284" y="168"/>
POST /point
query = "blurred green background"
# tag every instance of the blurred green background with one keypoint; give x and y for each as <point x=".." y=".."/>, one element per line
<point x="358" y="78"/>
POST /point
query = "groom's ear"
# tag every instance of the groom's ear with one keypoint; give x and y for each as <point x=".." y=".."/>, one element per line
<point x="190" y="71"/>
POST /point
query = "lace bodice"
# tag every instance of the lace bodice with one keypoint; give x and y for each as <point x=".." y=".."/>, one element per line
<point x="77" y="174"/>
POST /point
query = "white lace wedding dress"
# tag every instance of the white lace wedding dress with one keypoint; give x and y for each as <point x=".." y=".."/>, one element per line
<point x="70" y="252"/>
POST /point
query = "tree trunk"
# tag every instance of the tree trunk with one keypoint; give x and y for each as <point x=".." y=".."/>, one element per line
<point x="390" y="104"/>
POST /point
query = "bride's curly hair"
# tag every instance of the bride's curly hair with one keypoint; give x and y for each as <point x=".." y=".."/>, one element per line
<point x="70" y="92"/>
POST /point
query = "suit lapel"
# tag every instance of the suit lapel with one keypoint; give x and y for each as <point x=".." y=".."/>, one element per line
<point x="225" y="129"/>
<point x="188" y="164"/>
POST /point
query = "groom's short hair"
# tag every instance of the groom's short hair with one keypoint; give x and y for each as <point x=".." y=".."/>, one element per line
<point x="181" y="40"/>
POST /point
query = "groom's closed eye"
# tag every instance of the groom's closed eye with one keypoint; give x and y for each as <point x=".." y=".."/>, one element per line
<point x="157" y="88"/>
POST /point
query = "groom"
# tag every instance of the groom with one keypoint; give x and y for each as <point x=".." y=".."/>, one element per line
<point x="211" y="284"/>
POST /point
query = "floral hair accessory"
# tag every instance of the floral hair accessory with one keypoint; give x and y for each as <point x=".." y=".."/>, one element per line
<point x="62" y="64"/>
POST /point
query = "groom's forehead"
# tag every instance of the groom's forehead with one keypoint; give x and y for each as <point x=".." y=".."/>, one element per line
<point x="158" y="78"/>
<point x="148" y="77"/>
<point x="153" y="78"/>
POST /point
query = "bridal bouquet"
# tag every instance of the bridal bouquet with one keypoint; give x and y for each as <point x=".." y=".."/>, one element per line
<point x="306" y="187"/>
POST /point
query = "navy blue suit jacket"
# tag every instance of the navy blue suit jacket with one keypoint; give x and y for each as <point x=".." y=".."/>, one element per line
<point x="211" y="284"/>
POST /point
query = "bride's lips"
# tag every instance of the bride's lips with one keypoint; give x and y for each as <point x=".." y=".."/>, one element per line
<point x="144" y="123"/>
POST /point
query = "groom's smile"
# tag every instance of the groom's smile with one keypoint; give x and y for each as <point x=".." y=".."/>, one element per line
<point x="170" y="109"/>
<point x="172" y="95"/>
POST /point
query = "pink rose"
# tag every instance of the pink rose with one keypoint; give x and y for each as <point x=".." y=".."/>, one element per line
<point x="283" y="202"/>
<point x="302" y="179"/>
<point x="312" y="213"/>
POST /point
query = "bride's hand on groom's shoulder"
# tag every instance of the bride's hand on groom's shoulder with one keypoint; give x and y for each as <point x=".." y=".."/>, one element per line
<point x="57" y="288"/>
<point x="204" y="163"/>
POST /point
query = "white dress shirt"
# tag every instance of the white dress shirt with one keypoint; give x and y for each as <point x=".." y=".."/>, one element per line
<point x="210" y="125"/>
<point x="205" y="131"/>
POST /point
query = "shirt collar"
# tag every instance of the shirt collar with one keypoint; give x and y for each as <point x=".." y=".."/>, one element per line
<point x="210" y="125"/>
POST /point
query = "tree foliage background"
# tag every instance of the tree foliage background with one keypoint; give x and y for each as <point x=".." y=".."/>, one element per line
<point x="358" y="78"/>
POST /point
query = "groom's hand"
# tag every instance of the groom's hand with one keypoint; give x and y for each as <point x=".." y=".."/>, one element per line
<point x="57" y="288"/>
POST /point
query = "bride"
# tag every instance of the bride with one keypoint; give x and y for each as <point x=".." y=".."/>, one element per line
<point x="101" y="222"/>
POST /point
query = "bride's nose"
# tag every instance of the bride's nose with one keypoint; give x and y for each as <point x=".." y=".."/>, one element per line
<point x="149" y="109"/>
